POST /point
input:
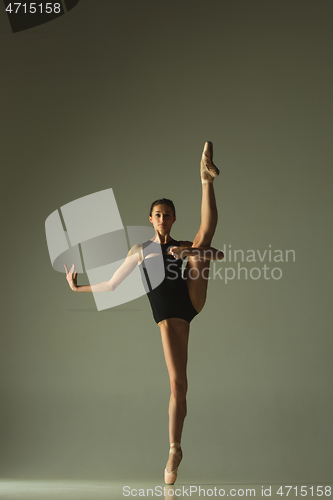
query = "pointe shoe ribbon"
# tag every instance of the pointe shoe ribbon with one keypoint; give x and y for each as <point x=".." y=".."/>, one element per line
<point x="207" y="168"/>
<point x="170" y="475"/>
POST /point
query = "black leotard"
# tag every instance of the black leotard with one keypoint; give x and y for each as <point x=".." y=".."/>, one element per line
<point x="170" y="299"/>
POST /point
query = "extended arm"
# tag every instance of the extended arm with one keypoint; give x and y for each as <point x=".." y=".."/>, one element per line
<point x="132" y="259"/>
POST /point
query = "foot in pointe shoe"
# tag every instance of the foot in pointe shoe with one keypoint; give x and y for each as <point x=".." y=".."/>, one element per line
<point x="207" y="168"/>
<point x="175" y="456"/>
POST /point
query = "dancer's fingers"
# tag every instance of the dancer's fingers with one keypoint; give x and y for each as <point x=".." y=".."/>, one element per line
<point x="174" y="251"/>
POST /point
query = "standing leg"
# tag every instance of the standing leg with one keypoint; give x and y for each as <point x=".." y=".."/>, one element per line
<point x="197" y="271"/>
<point x="175" y="334"/>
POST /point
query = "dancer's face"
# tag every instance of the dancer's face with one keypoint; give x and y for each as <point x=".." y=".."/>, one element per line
<point x="162" y="218"/>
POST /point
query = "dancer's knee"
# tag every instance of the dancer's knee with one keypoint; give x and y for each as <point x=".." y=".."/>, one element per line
<point x="197" y="240"/>
<point x="202" y="240"/>
<point x="179" y="389"/>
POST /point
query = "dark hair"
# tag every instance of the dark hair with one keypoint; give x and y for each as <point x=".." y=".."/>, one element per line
<point x="163" y="201"/>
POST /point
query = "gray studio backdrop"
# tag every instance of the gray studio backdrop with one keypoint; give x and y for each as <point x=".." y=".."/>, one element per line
<point x="123" y="95"/>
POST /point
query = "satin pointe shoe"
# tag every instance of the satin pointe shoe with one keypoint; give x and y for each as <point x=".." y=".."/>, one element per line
<point x="170" y="473"/>
<point x="207" y="168"/>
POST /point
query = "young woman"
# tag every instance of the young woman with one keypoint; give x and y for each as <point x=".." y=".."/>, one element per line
<point x="176" y="300"/>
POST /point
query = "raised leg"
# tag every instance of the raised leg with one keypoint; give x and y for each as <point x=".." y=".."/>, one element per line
<point x="197" y="271"/>
<point x="175" y="334"/>
<point x="208" y="224"/>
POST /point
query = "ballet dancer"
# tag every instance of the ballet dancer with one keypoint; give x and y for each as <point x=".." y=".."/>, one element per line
<point x="177" y="299"/>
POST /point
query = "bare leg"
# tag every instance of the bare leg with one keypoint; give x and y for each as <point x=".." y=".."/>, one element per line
<point x="208" y="224"/>
<point x="175" y="334"/>
<point x="197" y="271"/>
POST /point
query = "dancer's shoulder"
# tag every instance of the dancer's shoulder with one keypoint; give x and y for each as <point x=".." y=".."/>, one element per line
<point x="137" y="250"/>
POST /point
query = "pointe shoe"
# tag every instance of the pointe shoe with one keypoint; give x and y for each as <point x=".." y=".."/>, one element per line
<point x="170" y="475"/>
<point x="207" y="168"/>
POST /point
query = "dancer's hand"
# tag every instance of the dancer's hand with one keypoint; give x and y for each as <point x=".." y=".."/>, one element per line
<point x="178" y="252"/>
<point x="71" y="277"/>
